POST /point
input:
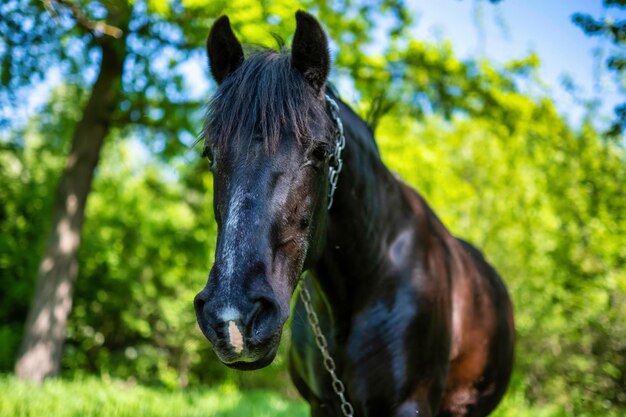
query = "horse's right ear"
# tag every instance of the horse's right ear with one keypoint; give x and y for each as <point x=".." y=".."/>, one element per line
<point x="224" y="50"/>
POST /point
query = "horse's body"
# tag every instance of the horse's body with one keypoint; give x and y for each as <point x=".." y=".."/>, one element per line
<point x="414" y="315"/>
<point x="417" y="322"/>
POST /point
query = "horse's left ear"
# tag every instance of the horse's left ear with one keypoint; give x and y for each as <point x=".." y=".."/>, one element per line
<point x="309" y="52"/>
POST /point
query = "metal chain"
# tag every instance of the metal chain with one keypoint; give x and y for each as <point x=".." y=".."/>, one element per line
<point x="334" y="168"/>
<point x="320" y="341"/>
<point x="336" y="163"/>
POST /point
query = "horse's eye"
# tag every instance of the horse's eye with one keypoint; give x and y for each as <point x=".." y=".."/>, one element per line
<point x="321" y="152"/>
<point x="208" y="154"/>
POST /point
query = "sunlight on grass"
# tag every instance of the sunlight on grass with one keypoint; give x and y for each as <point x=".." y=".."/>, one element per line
<point x="91" y="397"/>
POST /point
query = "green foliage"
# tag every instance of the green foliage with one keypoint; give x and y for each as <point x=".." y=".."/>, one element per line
<point x="90" y="397"/>
<point x="20" y="69"/>
<point x="152" y="260"/>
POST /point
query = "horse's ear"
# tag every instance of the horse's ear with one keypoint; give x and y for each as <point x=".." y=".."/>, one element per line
<point x="309" y="52"/>
<point x="224" y="50"/>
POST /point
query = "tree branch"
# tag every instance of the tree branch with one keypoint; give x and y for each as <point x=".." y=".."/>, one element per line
<point x="94" y="27"/>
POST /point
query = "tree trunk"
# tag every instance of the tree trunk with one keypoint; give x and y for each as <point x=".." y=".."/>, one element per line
<point x="44" y="333"/>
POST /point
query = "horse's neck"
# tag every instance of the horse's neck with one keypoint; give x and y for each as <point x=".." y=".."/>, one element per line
<point x="369" y="212"/>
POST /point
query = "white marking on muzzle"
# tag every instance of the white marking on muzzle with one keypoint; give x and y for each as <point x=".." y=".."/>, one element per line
<point x="229" y="313"/>
<point x="235" y="337"/>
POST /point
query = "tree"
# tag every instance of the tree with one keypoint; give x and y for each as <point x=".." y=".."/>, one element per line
<point x="41" y="348"/>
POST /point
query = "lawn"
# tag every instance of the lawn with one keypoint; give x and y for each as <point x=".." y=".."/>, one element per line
<point x="92" y="397"/>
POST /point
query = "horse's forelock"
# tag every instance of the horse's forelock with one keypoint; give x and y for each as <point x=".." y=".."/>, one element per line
<point x="262" y="97"/>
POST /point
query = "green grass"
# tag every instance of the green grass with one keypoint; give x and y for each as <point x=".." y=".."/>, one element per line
<point x="92" y="397"/>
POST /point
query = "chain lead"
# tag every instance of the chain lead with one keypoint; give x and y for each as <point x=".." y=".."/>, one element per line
<point x="336" y="163"/>
<point x="320" y="341"/>
<point x="334" y="168"/>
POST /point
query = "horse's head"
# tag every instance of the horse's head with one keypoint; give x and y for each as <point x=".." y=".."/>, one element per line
<point x="267" y="135"/>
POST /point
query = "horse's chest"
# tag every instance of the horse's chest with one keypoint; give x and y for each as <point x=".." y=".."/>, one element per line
<point x="391" y="345"/>
<point x="372" y="361"/>
<point x="376" y="348"/>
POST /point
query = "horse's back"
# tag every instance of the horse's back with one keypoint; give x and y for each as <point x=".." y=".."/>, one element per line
<point x="481" y="357"/>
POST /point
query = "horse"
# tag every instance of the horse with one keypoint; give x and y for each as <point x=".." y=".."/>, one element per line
<point x="400" y="317"/>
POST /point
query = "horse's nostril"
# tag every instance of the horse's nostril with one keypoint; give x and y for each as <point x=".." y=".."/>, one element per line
<point x="198" y="305"/>
<point x="263" y="320"/>
<point x="251" y="318"/>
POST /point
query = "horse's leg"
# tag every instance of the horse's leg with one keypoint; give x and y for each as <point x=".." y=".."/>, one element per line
<point x="318" y="408"/>
<point x="321" y="410"/>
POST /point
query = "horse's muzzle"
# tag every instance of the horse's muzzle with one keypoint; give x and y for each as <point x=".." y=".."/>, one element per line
<point x="244" y="333"/>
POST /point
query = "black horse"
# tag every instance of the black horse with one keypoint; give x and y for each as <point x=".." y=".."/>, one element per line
<point x="417" y="322"/>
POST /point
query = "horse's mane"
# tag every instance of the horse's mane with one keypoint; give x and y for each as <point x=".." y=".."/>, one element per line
<point x="261" y="99"/>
